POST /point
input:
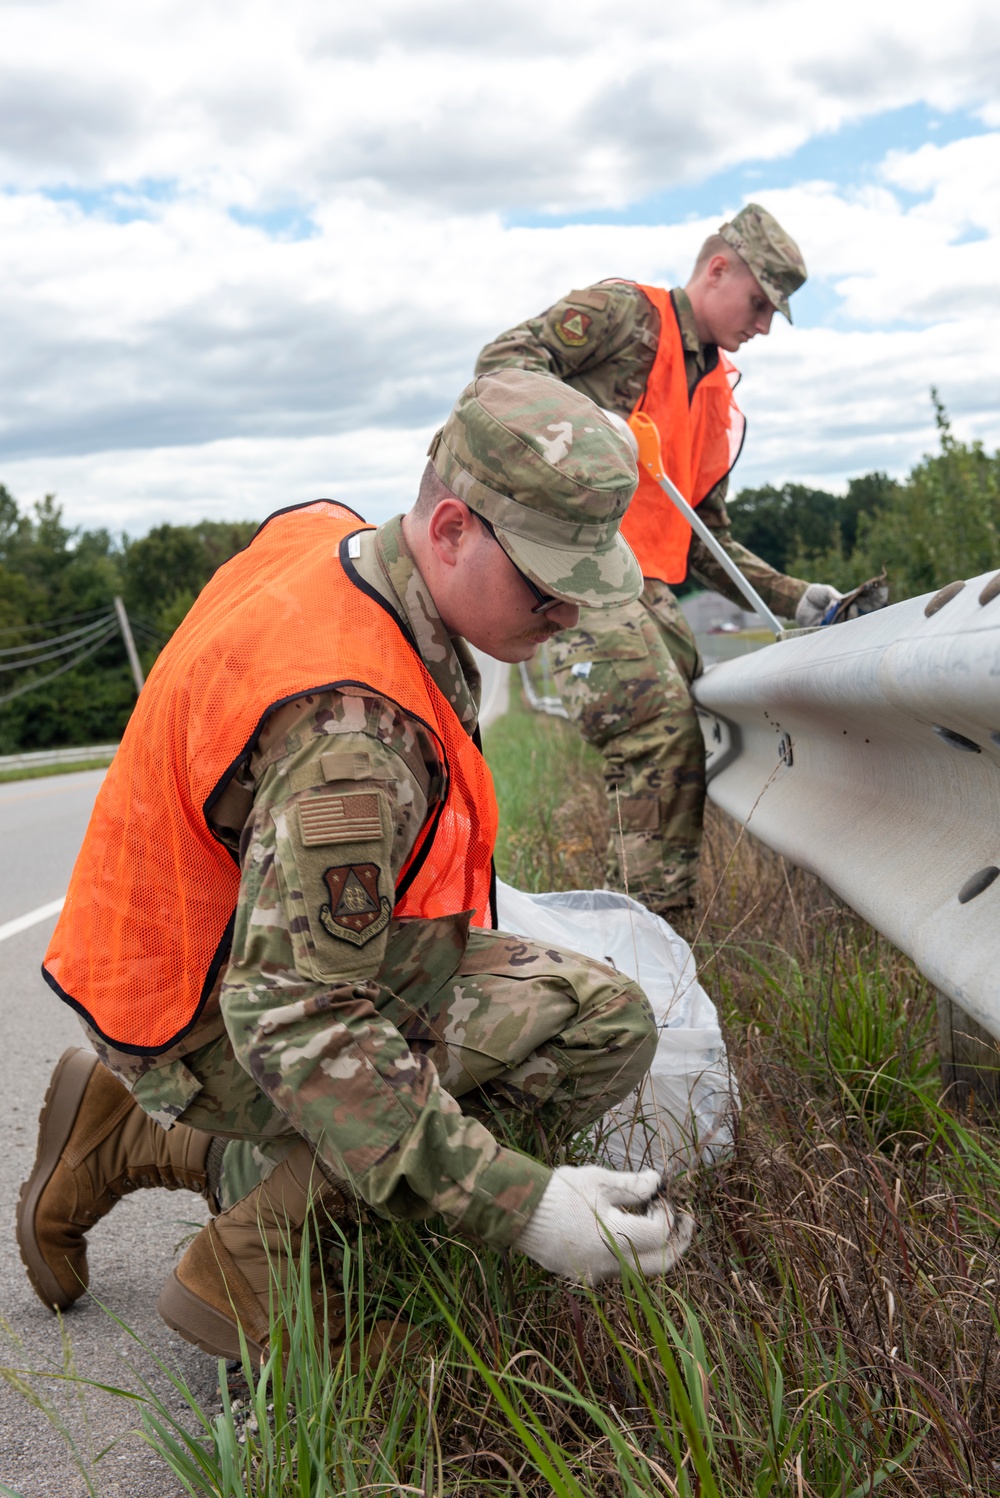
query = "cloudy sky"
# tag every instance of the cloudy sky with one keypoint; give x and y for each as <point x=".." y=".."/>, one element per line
<point x="250" y="250"/>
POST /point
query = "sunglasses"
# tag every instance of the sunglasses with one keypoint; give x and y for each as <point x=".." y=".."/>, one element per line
<point x="543" y="601"/>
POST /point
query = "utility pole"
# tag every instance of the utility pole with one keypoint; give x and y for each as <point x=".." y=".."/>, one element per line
<point x="133" y="654"/>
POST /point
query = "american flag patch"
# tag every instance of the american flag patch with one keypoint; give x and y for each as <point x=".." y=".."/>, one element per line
<point x="340" y="819"/>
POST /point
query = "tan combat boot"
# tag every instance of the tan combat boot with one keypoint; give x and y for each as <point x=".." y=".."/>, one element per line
<point x="95" y="1145"/>
<point x="229" y="1276"/>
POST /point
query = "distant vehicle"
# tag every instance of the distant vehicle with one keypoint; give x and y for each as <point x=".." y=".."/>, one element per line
<point x="727" y="627"/>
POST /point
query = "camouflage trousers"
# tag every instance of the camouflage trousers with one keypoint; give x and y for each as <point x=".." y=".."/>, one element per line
<point x="537" y="1042"/>
<point x="625" y="678"/>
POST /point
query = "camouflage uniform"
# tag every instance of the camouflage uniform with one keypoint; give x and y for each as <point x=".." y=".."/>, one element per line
<point x="364" y="1047"/>
<point x="625" y="675"/>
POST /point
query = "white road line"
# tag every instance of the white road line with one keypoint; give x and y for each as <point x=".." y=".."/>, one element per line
<point x="31" y="919"/>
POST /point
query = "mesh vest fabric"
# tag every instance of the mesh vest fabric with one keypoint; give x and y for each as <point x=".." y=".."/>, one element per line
<point x="700" y="440"/>
<point x="146" y="922"/>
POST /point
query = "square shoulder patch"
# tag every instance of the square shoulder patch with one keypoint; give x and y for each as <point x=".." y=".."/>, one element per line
<point x="344" y="818"/>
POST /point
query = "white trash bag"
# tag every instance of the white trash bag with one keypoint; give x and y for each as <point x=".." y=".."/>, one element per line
<point x="685" y="1108"/>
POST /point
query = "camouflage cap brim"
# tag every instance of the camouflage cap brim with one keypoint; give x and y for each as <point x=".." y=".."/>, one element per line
<point x="777" y="298"/>
<point x="593" y="577"/>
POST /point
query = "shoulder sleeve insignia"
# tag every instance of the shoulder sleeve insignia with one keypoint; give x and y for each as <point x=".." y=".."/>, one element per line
<point x="356" y="911"/>
<point x="572" y="327"/>
<point x="340" y="819"/>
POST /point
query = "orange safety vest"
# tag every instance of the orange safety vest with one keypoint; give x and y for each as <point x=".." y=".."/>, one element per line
<point x="700" y="438"/>
<point x="148" y="918"/>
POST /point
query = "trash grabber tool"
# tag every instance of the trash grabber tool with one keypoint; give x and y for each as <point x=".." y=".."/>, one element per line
<point x="646" y="435"/>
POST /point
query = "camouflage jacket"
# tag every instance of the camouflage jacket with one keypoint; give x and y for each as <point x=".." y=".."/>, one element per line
<point x="376" y="1108"/>
<point x="611" y="363"/>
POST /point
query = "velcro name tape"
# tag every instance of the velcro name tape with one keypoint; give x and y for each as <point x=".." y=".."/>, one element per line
<point x="590" y="298"/>
<point x="357" y="766"/>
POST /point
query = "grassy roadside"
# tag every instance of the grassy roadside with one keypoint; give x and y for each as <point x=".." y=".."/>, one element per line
<point x="833" y="1330"/>
<point x="29" y="772"/>
<point x="845" y="1274"/>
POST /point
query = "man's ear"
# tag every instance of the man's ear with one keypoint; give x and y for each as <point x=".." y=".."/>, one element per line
<point x="449" y="530"/>
<point x="716" y="270"/>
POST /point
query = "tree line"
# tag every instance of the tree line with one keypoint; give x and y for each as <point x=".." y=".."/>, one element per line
<point x="57" y="587"/>
<point x="58" y="583"/>
<point x="939" y="523"/>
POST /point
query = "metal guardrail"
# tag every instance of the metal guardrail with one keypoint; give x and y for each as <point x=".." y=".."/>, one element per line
<point x="869" y="753"/>
<point x="43" y="757"/>
<point x="545" y="701"/>
<point x="728" y="647"/>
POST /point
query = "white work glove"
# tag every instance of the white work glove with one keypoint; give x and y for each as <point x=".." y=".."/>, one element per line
<point x="814" y="603"/>
<point x="581" y="1209"/>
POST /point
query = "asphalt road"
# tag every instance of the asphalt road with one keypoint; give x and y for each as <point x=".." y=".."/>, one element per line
<point x="131" y="1252"/>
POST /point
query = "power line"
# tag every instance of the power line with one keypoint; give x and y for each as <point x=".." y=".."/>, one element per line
<point x="17" y="629"/>
<point x="29" y="686"/>
<point x="36" y="645"/>
<point x="149" y="636"/>
<point x="82" y="637"/>
<point x="145" y="623"/>
<point x="81" y="643"/>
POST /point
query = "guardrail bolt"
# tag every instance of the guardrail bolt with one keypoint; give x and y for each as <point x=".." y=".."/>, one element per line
<point x="956" y="740"/>
<point x="946" y="594"/>
<point x="976" y="883"/>
<point x="992" y="589"/>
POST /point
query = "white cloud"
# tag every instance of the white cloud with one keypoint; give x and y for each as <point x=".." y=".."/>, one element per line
<point x="160" y="359"/>
<point x="193" y="326"/>
<point x="375" y="472"/>
<point x="549" y="104"/>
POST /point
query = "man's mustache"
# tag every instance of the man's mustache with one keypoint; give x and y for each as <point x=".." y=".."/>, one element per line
<point x="551" y="630"/>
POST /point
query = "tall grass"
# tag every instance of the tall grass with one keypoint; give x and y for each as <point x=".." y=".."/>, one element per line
<point x="553" y="817"/>
<point x="831" y="1333"/>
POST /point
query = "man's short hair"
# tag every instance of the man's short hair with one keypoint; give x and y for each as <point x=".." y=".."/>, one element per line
<point x="716" y="245"/>
<point x="430" y="494"/>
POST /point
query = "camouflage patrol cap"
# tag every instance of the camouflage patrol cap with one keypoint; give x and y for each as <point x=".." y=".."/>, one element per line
<point x="546" y="468"/>
<point x="771" y="254"/>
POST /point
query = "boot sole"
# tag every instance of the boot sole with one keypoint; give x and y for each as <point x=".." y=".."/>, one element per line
<point x="201" y="1324"/>
<point x="55" y="1124"/>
